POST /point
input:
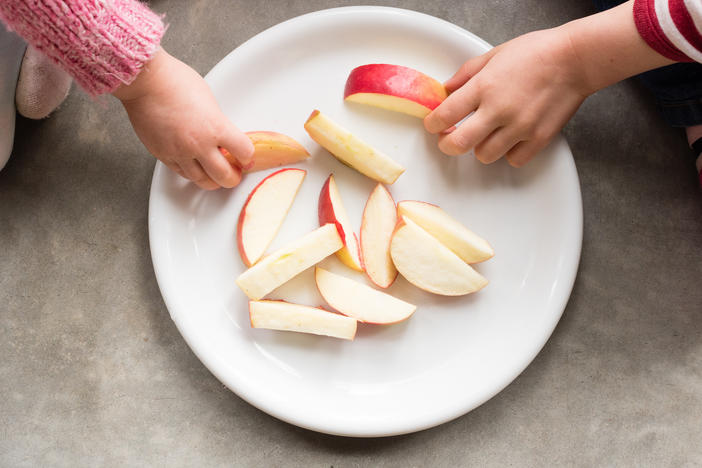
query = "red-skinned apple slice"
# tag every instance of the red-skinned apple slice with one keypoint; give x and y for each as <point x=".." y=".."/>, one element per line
<point x="271" y="149"/>
<point x="428" y="264"/>
<point x="286" y="316"/>
<point x="359" y="301"/>
<point x="377" y="225"/>
<point x="284" y="264"/>
<point x="351" y="151"/>
<point x="331" y="210"/>
<point x="264" y="212"/>
<point x="395" y="88"/>
<point x="450" y="232"/>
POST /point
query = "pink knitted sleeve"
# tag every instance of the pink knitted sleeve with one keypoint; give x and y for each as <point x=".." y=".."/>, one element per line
<point x="101" y="43"/>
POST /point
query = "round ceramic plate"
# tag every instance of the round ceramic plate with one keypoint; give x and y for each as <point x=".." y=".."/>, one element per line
<point x="454" y="353"/>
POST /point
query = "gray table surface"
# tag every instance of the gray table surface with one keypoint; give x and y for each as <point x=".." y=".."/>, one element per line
<point x="94" y="372"/>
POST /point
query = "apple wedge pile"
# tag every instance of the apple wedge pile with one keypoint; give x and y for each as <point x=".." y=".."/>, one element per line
<point x="432" y="250"/>
<point x="418" y="240"/>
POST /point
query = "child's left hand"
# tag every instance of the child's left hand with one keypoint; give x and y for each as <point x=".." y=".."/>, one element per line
<point x="175" y="115"/>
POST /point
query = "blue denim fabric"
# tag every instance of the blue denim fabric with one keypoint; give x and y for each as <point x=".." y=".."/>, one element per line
<point x="677" y="88"/>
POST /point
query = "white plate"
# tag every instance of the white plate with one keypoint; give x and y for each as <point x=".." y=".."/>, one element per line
<point x="454" y="353"/>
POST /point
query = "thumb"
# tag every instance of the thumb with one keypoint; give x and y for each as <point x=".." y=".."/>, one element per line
<point x="236" y="147"/>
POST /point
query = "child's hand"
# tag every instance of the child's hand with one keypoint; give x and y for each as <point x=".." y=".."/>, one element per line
<point x="522" y="93"/>
<point x="177" y="118"/>
<point x="525" y="90"/>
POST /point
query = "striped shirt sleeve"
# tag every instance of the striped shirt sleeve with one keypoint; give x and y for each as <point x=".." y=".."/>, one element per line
<point x="673" y="28"/>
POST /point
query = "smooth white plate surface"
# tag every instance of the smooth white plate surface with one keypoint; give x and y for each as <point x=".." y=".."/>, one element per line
<point x="454" y="353"/>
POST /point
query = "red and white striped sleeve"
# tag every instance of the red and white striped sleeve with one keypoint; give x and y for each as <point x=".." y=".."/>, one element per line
<point x="673" y="28"/>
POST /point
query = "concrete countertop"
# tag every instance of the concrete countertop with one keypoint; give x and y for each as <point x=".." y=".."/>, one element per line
<point x="93" y="371"/>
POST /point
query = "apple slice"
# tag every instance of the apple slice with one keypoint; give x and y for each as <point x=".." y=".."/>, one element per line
<point x="359" y="301"/>
<point x="331" y="210"/>
<point x="395" y="88"/>
<point x="264" y="212"/>
<point x="450" y="232"/>
<point x="462" y="241"/>
<point x="281" y="315"/>
<point x="352" y="151"/>
<point x="377" y="225"/>
<point x="429" y="264"/>
<point x="287" y="262"/>
<point x="271" y="149"/>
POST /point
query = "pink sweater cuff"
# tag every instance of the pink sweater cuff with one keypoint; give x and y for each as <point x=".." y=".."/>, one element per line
<point x="101" y="43"/>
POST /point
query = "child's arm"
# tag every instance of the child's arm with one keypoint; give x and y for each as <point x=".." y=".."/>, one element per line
<point x="525" y="90"/>
<point x="113" y="47"/>
<point x="177" y="118"/>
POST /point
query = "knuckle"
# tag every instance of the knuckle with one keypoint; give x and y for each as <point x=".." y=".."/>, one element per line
<point x="541" y="135"/>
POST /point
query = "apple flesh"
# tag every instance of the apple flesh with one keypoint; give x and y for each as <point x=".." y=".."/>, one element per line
<point x="359" y="301"/>
<point x="287" y="262"/>
<point x="395" y="88"/>
<point x="428" y="264"/>
<point x="377" y="225"/>
<point x="271" y="149"/>
<point x="330" y="209"/>
<point x="450" y="232"/>
<point x="285" y="316"/>
<point x="351" y="151"/>
<point x="264" y="212"/>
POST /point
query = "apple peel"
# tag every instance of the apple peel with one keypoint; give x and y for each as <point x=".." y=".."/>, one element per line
<point x="395" y="88"/>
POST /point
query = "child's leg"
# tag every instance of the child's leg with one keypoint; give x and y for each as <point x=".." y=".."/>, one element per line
<point x="42" y="85"/>
<point x="11" y="52"/>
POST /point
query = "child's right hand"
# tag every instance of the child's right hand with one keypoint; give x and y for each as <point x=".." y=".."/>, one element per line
<point x="522" y="93"/>
<point x="525" y="90"/>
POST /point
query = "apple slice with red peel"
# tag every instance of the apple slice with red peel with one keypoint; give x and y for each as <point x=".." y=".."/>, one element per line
<point x="428" y="264"/>
<point x="282" y="265"/>
<point x="285" y="316"/>
<point x="450" y="232"/>
<point x="359" y="301"/>
<point x="395" y="88"/>
<point x="331" y="210"/>
<point x="271" y="149"/>
<point x="264" y="212"/>
<point x="377" y="225"/>
<point x="351" y="151"/>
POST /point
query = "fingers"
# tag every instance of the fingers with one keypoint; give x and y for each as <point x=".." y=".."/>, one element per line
<point x="238" y="145"/>
<point x="468" y="135"/>
<point x="497" y="144"/>
<point x="219" y="169"/>
<point x="524" y="151"/>
<point x="469" y="69"/>
<point x="452" y="110"/>
<point x="193" y="170"/>
<point x="174" y="167"/>
<point x="464" y="97"/>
